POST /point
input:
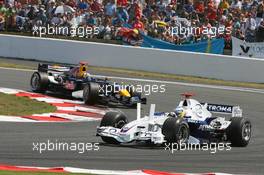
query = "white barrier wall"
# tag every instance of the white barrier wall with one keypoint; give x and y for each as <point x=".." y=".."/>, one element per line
<point x="155" y="60"/>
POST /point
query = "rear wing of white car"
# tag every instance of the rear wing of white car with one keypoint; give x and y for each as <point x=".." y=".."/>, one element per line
<point x="235" y="111"/>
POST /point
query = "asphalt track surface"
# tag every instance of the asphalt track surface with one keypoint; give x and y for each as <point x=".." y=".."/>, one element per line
<point x="16" y="138"/>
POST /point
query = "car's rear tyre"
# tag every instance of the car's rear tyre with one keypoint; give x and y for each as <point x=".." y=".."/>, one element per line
<point x="176" y="130"/>
<point x="116" y="120"/>
<point x="91" y="93"/>
<point x="39" y="82"/>
<point x="239" y="131"/>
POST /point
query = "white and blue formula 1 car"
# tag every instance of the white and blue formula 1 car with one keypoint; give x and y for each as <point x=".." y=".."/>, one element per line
<point x="191" y="123"/>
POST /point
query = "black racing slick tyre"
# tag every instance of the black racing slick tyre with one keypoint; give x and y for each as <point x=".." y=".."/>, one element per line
<point x="91" y="93"/>
<point x="116" y="120"/>
<point x="176" y="130"/>
<point x="239" y="131"/>
<point x="39" y="82"/>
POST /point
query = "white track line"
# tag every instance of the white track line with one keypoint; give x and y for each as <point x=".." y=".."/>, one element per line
<point x="14" y="119"/>
<point x="75" y="118"/>
<point x="229" y="88"/>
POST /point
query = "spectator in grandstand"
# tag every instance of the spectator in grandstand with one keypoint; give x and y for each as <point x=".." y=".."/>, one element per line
<point x="189" y="7"/>
<point x="169" y="13"/>
<point x="122" y="3"/>
<point x="2" y="7"/>
<point x="110" y="8"/>
<point x="2" y="15"/>
<point x="224" y="5"/>
<point x="211" y="13"/>
<point x="50" y="9"/>
<point x="236" y="4"/>
<point x="216" y="3"/>
<point x="246" y="5"/>
<point x="161" y="5"/>
<point x="122" y="14"/>
<point x="83" y="5"/>
<point x="106" y="29"/>
<point x="260" y="32"/>
<point x="91" y="20"/>
<point x="260" y="14"/>
<point x="96" y="6"/>
<point x="200" y="8"/>
<point x="138" y="24"/>
<point x="10" y="20"/>
<point x="56" y="20"/>
<point x="250" y="28"/>
<point x="21" y="18"/>
<point x="2" y="21"/>
<point x="135" y="11"/>
<point x="41" y="17"/>
<point x="71" y="3"/>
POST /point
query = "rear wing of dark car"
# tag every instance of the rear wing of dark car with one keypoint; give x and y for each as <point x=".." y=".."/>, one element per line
<point x="52" y="68"/>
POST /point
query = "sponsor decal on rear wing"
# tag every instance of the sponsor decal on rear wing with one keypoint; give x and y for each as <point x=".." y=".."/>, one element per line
<point x="235" y="111"/>
<point x="55" y="68"/>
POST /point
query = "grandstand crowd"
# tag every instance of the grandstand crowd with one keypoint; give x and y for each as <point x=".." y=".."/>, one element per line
<point x="154" y="18"/>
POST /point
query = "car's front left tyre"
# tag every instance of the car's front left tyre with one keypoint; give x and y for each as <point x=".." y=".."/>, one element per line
<point x="91" y="93"/>
<point x="176" y="130"/>
<point x="39" y="82"/>
<point x="116" y="120"/>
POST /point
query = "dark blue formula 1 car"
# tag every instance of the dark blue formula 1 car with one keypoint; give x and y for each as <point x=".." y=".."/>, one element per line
<point x="77" y="82"/>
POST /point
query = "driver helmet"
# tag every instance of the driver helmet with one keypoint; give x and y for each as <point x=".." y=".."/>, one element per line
<point x="179" y="111"/>
<point x="82" y="72"/>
